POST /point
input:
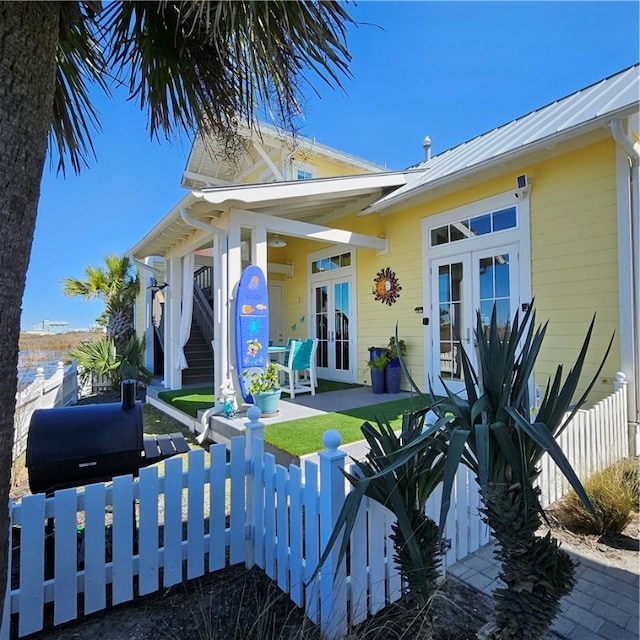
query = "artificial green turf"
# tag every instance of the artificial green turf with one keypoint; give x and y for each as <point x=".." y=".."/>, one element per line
<point x="304" y="435"/>
<point x="190" y="401"/>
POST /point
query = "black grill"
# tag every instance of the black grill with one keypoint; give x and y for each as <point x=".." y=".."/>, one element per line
<point x="72" y="446"/>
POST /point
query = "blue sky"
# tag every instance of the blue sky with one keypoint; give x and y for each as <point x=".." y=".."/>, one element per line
<point x="450" y="70"/>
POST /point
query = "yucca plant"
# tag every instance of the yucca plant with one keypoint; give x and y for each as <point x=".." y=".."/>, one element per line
<point x="400" y="471"/>
<point x="492" y="432"/>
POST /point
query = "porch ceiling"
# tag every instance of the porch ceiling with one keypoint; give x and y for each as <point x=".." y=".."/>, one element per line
<point x="318" y="201"/>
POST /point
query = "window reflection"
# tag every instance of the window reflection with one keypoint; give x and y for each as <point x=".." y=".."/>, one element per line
<point x="480" y="225"/>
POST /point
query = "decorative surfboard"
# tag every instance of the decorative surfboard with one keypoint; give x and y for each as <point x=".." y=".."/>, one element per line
<point x="252" y="325"/>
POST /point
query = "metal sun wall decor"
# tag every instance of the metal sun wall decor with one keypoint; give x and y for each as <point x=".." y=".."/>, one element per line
<point x="386" y="288"/>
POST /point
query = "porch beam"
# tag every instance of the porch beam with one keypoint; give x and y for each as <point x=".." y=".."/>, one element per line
<point x="298" y="229"/>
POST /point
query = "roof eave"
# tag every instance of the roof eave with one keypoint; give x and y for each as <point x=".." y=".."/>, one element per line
<point x="390" y="202"/>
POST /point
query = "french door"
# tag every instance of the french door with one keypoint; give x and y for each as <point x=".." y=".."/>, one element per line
<point x="462" y="285"/>
<point x="332" y="313"/>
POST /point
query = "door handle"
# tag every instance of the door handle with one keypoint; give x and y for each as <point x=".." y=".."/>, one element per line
<point x="468" y="335"/>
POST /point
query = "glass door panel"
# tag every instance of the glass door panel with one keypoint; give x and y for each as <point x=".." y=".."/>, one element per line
<point x="341" y="336"/>
<point x="332" y="314"/>
<point x="451" y="313"/>
<point x="496" y="275"/>
<point x="461" y="285"/>
<point x="321" y="325"/>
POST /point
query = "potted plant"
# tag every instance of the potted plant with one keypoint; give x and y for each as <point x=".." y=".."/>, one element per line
<point x="264" y="387"/>
<point x="393" y="371"/>
<point x="377" y="363"/>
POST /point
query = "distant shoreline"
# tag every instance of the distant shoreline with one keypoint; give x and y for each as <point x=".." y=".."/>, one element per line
<point x="30" y="341"/>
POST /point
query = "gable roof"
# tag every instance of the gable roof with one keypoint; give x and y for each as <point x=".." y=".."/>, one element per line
<point x="211" y="164"/>
<point x="585" y="110"/>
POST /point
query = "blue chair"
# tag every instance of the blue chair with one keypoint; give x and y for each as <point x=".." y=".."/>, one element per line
<point x="300" y="369"/>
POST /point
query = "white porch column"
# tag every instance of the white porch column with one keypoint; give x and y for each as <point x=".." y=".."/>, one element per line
<point x="221" y="343"/>
<point x="259" y="247"/>
<point x="234" y="256"/>
<point x="173" y="296"/>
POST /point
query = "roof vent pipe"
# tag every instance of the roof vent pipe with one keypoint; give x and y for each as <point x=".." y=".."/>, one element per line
<point x="426" y="145"/>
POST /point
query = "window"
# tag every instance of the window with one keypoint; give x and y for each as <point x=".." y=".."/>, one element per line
<point x="302" y="171"/>
<point x="473" y="227"/>
<point x="333" y="262"/>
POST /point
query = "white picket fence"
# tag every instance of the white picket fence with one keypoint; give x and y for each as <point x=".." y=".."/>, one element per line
<point x="132" y="537"/>
<point x="60" y="390"/>
<point x="593" y="440"/>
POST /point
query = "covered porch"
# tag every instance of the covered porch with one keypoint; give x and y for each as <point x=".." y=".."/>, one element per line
<point x="275" y="226"/>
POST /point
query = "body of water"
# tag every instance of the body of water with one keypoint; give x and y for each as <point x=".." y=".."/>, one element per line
<point x="29" y="361"/>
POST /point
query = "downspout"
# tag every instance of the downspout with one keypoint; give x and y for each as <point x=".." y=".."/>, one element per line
<point x="220" y="347"/>
<point x="632" y="151"/>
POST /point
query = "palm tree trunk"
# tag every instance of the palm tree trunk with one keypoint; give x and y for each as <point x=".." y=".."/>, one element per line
<point x="28" y="39"/>
<point x="421" y="580"/>
<point x="537" y="574"/>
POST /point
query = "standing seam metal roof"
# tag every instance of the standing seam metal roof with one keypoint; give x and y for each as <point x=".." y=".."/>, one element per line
<point x="608" y="96"/>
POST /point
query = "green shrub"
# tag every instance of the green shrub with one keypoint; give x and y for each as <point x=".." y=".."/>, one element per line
<point x="613" y="493"/>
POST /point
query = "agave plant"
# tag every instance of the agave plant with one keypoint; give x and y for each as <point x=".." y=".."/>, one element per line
<point x="400" y="471"/>
<point x="492" y="432"/>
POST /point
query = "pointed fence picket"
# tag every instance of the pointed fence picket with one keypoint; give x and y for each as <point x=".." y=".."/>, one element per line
<point x="108" y="543"/>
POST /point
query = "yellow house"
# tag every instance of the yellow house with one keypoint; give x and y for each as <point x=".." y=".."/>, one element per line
<point x="543" y="208"/>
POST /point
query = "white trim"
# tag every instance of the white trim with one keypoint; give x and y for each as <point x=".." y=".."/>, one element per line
<point x="298" y="229"/>
<point x="628" y="337"/>
<point x="274" y="191"/>
<point x="520" y="236"/>
<point x="343" y="273"/>
<point x="296" y="165"/>
<point x="267" y="160"/>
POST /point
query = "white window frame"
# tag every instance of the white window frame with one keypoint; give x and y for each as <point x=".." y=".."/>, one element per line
<point x="519" y="235"/>
<point x="303" y="166"/>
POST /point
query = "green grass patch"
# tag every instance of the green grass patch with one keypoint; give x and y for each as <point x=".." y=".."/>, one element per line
<point x="302" y="436"/>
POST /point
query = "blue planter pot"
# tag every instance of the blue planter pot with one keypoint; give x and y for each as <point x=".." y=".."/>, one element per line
<point x="267" y="402"/>
<point x="377" y="381"/>
<point x="377" y="375"/>
<point x="392" y="376"/>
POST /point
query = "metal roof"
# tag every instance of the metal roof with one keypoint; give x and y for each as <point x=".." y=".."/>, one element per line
<point x="587" y="109"/>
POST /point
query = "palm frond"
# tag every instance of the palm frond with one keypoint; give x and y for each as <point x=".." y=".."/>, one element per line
<point x="212" y="64"/>
<point x="80" y="63"/>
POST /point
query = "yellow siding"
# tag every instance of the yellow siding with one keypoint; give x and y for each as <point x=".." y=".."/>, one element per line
<point x="573" y="268"/>
<point x="574" y="260"/>
<point x="324" y="166"/>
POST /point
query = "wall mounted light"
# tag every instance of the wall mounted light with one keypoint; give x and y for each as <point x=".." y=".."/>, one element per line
<point x="155" y="287"/>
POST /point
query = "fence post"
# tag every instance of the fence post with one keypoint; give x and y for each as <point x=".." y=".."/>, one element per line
<point x="254" y="455"/>
<point x="333" y="592"/>
<point x="620" y="384"/>
<point x="58" y="397"/>
<point x="38" y="386"/>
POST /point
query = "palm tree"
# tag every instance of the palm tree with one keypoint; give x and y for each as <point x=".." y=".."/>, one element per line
<point x="117" y="286"/>
<point x="189" y="64"/>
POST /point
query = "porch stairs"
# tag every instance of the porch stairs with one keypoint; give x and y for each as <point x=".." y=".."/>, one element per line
<point x="200" y="359"/>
